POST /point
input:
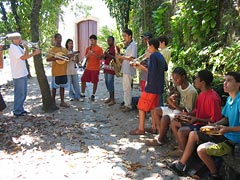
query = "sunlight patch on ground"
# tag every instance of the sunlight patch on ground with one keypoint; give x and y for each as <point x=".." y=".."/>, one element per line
<point x="27" y="140"/>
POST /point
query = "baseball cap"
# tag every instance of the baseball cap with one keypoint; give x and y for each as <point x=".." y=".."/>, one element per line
<point x="147" y="34"/>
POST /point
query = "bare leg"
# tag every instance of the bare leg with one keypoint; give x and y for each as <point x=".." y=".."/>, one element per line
<point x="62" y="94"/>
<point x="95" y="88"/>
<point x="154" y="124"/>
<point x="183" y="133"/>
<point x="83" y="85"/>
<point x="175" y="126"/>
<point x="112" y="95"/>
<point x="141" y="120"/>
<point x="165" y="121"/>
<point x="157" y="115"/>
<point x="190" y="147"/>
<point x="207" y="160"/>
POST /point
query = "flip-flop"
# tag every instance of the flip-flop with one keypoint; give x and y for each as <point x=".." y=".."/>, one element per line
<point x="154" y="142"/>
<point x="137" y="132"/>
<point x="151" y="130"/>
<point x="63" y="104"/>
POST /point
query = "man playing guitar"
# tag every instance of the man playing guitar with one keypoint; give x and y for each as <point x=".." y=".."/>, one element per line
<point x="59" y="70"/>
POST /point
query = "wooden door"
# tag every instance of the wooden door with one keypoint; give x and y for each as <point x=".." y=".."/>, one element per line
<point x="85" y="29"/>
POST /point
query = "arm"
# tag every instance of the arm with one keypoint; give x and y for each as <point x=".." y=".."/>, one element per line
<point x="141" y="67"/>
<point x="128" y="58"/>
<point x="26" y="54"/>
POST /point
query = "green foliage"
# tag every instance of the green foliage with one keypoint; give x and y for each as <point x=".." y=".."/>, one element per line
<point x="104" y="33"/>
<point x="203" y="33"/>
<point x="48" y="23"/>
<point x="120" y="11"/>
<point x="161" y="18"/>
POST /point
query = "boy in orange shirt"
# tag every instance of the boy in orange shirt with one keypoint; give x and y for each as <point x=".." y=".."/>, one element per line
<point x="93" y="53"/>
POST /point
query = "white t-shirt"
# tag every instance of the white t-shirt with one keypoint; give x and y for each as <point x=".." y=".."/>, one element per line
<point x="71" y="68"/>
<point x="18" y="66"/>
<point x="130" y="51"/>
<point x="188" y="97"/>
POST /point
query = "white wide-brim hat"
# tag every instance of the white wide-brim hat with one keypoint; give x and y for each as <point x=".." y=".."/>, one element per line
<point x="13" y="36"/>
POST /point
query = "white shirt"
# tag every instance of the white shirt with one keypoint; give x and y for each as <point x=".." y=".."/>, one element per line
<point x="71" y="69"/>
<point x="18" y="66"/>
<point x="130" y="51"/>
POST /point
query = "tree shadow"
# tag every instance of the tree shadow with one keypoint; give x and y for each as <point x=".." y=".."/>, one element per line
<point x="90" y="128"/>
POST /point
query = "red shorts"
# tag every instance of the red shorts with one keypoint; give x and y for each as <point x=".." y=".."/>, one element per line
<point x="90" y="76"/>
<point x="148" y="101"/>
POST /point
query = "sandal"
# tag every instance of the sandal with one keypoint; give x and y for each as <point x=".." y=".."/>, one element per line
<point x="107" y="101"/>
<point x="151" y="130"/>
<point x="137" y="132"/>
<point x="111" y="103"/>
<point x="63" y="104"/>
<point x="154" y="142"/>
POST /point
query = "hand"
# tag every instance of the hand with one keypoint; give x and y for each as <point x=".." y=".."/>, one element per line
<point x="25" y="45"/>
<point x="223" y="129"/>
<point x="36" y="52"/>
<point x="193" y="119"/>
<point x="118" y="56"/>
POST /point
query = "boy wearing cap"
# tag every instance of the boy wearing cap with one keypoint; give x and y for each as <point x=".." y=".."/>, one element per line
<point x="17" y="56"/>
<point x="93" y="53"/>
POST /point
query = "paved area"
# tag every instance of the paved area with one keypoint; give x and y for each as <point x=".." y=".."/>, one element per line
<point x="89" y="140"/>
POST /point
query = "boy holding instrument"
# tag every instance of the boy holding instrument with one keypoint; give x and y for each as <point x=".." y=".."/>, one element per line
<point x="219" y="145"/>
<point x="56" y="55"/>
<point x="207" y="109"/>
<point x="128" y="71"/>
<point x="108" y="70"/>
<point x="94" y="54"/>
<point x="149" y="99"/>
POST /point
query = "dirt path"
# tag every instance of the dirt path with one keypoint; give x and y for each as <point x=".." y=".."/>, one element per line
<point x="89" y="140"/>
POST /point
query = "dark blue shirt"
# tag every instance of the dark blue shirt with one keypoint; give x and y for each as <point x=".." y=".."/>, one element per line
<point x="156" y="68"/>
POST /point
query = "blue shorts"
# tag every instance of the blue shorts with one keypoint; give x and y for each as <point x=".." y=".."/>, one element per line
<point x="192" y="127"/>
<point x="59" y="81"/>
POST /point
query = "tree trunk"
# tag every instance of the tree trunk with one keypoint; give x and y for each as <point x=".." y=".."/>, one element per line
<point x="48" y="102"/>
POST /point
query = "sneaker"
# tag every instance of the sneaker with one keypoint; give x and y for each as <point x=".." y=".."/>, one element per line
<point x="71" y="99"/>
<point x="25" y="112"/>
<point x="122" y="107"/>
<point x="178" y="171"/>
<point x="215" y="177"/>
<point x="18" y="115"/>
<point x="92" y="98"/>
<point x="82" y="96"/>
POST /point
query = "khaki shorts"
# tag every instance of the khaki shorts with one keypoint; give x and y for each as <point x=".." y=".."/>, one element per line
<point x="219" y="149"/>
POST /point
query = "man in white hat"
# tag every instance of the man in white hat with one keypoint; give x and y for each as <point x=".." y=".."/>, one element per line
<point x="17" y="56"/>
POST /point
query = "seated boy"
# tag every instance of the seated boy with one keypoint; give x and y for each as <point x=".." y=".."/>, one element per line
<point x="207" y="109"/>
<point x="231" y="133"/>
<point x="163" y="114"/>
